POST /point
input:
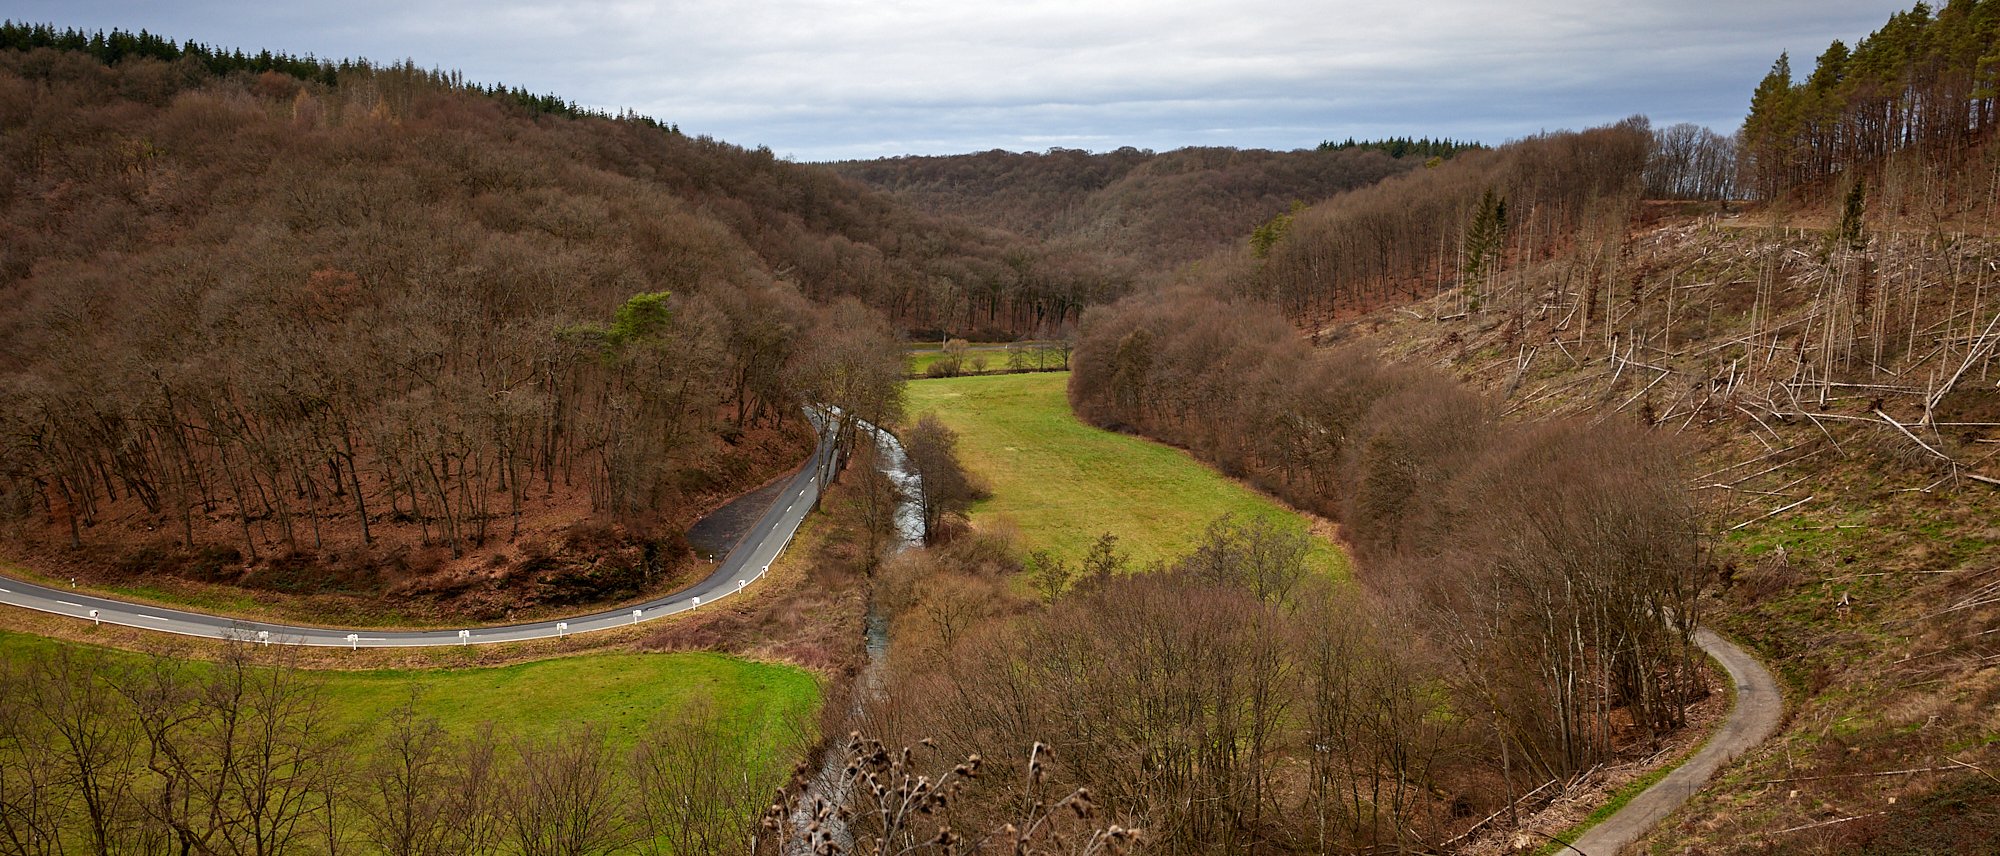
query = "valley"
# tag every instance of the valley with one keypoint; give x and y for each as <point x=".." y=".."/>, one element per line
<point x="1625" y="488"/>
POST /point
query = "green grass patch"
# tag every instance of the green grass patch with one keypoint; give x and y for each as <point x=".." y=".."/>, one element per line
<point x="618" y="692"/>
<point x="1827" y="533"/>
<point x="920" y="361"/>
<point x="1061" y="483"/>
<point x="1039" y="355"/>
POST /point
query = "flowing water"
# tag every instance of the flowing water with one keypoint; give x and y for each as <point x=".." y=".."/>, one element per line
<point x="829" y="785"/>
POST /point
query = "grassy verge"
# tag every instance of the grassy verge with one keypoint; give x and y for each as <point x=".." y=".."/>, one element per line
<point x="325" y="610"/>
<point x="619" y="692"/>
<point x="1061" y="483"/>
<point x="1619" y="799"/>
<point x="322" y="609"/>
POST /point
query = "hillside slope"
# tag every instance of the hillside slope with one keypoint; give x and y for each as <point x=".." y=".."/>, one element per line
<point x="1147" y="211"/>
<point x="1840" y="398"/>
<point x="372" y="332"/>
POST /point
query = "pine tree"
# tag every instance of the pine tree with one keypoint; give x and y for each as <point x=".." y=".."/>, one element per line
<point x="1484" y="239"/>
<point x="1770" y="130"/>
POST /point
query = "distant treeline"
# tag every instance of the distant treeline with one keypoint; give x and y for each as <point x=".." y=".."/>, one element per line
<point x="114" y="46"/>
<point x="1131" y="210"/>
<point x="1422" y="232"/>
<point x="1924" y="83"/>
<point x="1402" y="147"/>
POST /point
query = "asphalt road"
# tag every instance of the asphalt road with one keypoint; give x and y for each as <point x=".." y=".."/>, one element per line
<point x="748" y="561"/>
<point x="1754" y="718"/>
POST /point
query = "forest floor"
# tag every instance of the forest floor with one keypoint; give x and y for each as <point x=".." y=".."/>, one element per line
<point x="1046" y="471"/>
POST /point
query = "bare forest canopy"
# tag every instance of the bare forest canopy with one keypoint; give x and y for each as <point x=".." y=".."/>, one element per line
<point x="1422" y="232"/>
<point x="1924" y="84"/>
<point x="262" y="316"/>
<point x="1137" y="210"/>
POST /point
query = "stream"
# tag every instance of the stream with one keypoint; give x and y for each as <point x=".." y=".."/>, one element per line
<point x="830" y="785"/>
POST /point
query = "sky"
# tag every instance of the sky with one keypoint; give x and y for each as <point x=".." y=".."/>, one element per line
<point x="836" y="79"/>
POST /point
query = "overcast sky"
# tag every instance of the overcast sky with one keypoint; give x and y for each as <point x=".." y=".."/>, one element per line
<point x="827" y="79"/>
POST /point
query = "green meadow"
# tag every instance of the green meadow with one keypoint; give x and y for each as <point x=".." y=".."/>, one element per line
<point x="1060" y="483"/>
<point x="619" y="693"/>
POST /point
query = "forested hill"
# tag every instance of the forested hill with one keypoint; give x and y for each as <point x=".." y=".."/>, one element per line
<point x="370" y="323"/>
<point x="1923" y="85"/>
<point x="1146" y="210"/>
<point x="828" y="236"/>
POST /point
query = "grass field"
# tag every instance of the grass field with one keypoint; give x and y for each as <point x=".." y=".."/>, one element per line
<point x="1062" y="483"/>
<point x="922" y="356"/>
<point x="618" y="692"/>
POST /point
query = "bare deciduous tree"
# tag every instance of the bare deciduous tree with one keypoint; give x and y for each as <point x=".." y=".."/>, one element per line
<point x="562" y="796"/>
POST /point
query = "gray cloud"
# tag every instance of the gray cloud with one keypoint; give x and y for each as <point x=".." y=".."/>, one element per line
<point x="817" y="79"/>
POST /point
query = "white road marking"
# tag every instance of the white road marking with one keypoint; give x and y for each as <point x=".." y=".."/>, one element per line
<point x="154" y="618"/>
<point x="4" y="591"/>
<point x="67" y="603"/>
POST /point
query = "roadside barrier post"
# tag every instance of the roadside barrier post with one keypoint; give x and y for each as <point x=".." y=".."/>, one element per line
<point x="353" y="641"/>
<point x="464" y="637"/>
<point x="561" y="628"/>
<point x="635" y="616"/>
<point x="94" y="620"/>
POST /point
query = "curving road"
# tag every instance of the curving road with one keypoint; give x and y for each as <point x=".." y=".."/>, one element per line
<point x="1754" y="718"/>
<point x="744" y="564"/>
